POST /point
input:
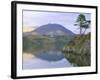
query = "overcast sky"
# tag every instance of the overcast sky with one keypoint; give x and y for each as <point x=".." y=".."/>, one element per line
<point x="68" y="19"/>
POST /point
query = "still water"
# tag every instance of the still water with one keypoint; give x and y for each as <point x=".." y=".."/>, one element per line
<point x="46" y="59"/>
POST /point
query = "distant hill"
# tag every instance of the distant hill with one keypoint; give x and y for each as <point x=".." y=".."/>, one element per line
<point x="53" y="29"/>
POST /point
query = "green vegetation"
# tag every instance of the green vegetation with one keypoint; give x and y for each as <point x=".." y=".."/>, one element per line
<point x="34" y="43"/>
<point x="77" y="51"/>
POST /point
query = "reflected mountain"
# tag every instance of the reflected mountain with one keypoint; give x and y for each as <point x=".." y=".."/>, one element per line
<point x="50" y="55"/>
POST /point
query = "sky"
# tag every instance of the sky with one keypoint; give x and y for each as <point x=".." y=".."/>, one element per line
<point x="34" y="19"/>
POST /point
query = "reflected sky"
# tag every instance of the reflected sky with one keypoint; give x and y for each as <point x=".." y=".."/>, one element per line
<point x="36" y="18"/>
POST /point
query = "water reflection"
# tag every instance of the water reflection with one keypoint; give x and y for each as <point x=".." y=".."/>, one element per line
<point x="50" y="55"/>
<point x="46" y="59"/>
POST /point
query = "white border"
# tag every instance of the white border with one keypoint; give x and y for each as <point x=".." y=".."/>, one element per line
<point x="21" y="72"/>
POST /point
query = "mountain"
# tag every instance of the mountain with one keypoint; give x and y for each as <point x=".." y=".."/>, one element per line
<point x="53" y="29"/>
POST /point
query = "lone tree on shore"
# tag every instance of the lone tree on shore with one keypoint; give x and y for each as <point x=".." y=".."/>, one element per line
<point x="82" y="23"/>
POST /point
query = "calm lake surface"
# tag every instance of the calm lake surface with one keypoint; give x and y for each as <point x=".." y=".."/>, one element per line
<point x="46" y="59"/>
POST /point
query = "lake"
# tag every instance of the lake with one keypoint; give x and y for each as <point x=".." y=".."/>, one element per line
<point x="46" y="59"/>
